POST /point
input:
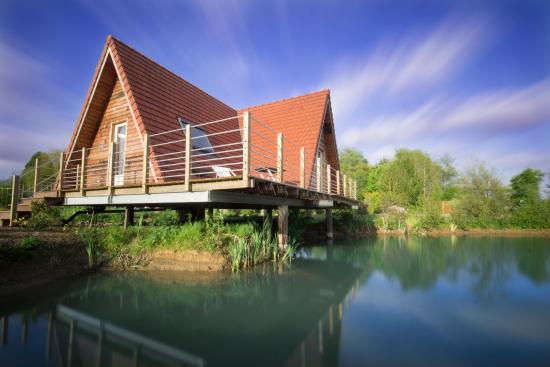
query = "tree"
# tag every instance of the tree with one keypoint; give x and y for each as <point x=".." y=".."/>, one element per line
<point x="483" y="199"/>
<point x="411" y="179"/>
<point x="355" y="165"/>
<point x="448" y="176"/>
<point x="525" y="187"/>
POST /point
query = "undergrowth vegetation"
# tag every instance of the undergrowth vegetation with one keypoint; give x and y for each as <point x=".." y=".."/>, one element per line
<point x="243" y="245"/>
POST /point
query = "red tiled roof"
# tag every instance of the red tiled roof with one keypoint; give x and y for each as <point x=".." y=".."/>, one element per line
<point x="299" y="119"/>
<point x="157" y="97"/>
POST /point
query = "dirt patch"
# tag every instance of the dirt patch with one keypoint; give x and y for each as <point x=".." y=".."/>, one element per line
<point x="189" y="260"/>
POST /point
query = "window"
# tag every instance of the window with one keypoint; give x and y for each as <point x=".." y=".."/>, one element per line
<point x="199" y="140"/>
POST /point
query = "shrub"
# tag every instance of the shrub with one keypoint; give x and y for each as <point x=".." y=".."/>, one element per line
<point x="30" y="243"/>
<point x="44" y="215"/>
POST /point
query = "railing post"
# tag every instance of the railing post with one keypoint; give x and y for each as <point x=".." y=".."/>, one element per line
<point x="36" y="171"/>
<point x="83" y="172"/>
<point x="329" y="179"/>
<point x="319" y="183"/>
<point x="145" y="173"/>
<point x="338" y="182"/>
<point x="302" y="167"/>
<point x="110" y="167"/>
<point x="14" y="199"/>
<point x="188" y="145"/>
<point x="246" y="147"/>
<point x="355" y="190"/>
<point x="280" y="157"/>
<point x="61" y="172"/>
<point x="345" y="185"/>
<point x="350" y="191"/>
<point x="77" y="177"/>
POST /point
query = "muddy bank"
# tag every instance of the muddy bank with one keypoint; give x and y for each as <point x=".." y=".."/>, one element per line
<point x="54" y="255"/>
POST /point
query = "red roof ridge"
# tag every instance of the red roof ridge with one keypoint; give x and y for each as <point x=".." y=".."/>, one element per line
<point x="112" y="38"/>
<point x="325" y="91"/>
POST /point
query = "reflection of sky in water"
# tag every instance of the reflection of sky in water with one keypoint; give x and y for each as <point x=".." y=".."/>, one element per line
<point x="468" y="301"/>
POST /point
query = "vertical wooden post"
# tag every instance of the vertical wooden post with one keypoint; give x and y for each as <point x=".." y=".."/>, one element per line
<point x="246" y="147"/>
<point x="110" y="167"/>
<point x="282" y="220"/>
<point x="319" y="178"/>
<point x="355" y="190"/>
<point x="128" y="216"/>
<point x="83" y="171"/>
<point x="329" y="180"/>
<point x="345" y="185"/>
<point x="77" y="177"/>
<point x="14" y="199"/>
<point x="61" y="172"/>
<point x="145" y="172"/>
<point x="188" y="157"/>
<point x="36" y="172"/>
<point x="302" y="167"/>
<point x="338" y="182"/>
<point x="350" y="189"/>
<point x="280" y="157"/>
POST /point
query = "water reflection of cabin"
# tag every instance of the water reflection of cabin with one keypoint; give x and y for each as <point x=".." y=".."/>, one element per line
<point x="147" y="137"/>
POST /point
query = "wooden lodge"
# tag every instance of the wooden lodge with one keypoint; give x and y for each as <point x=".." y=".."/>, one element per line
<point x="147" y="138"/>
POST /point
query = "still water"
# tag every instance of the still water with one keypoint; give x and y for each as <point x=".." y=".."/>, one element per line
<point x="386" y="302"/>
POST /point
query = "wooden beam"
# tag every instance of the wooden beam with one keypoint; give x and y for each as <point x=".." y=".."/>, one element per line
<point x="128" y="216"/>
<point x="302" y="167"/>
<point x="14" y="199"/>
<point x="246" y="146"/>
<point x="77" y="177"/>
<point x="280" y="157"/>
<point x="329" y="179"/>
<point x="145" y="172"/>
<point x="282" y="220"/>
<point x="83" y="172"/>
<point x="338" y="182"/>
<point x="36" y="171"/>
<point x="61" y="172"/>
<point x="188" y="145"/>
<point x="318" y="171"/>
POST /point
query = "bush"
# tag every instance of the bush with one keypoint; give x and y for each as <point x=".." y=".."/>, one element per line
<point x="44" y="215"/>
<point x="30" y="243"/>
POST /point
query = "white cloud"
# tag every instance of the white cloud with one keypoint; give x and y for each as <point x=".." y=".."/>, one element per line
<point x="413" y="63"/>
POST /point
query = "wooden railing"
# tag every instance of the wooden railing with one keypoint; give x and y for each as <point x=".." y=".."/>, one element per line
<point x="236" y="148"/>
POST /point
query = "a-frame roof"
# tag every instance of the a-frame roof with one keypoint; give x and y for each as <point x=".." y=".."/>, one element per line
<point x="157" y="97"/>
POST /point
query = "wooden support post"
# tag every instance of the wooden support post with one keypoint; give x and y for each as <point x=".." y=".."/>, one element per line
<point x="210" y="213"/>
<point x="280" y="157"/>
<point x="77" y="177"/>
<point x="338" y="183"/>
<point x="350" y="190"/>
<point x="268" y="217"/>
<point x="319" y="178"/>
<point x="345" y="185"/>
<point x="36" y="172"/>
<point x="328" y="213"/>
<point x="282" y="220"/>
<point x="355" y="190"/>
<point x="182" y="215"/>
<point x="83" y="171"/>
<point x="302" y="167"/>
<point x="128" y="216"/>
<point x="329" y="180"/>
<point x="145" y="172"/>
<point x="246" y="147"/>
<point x="188" y="157"/>
<point x="110" y="167"/>
<point x="61" y="173"/>
<point x="14" y="199"/>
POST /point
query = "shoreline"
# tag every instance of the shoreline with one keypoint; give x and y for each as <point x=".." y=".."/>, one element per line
<point x="61" y="255"/>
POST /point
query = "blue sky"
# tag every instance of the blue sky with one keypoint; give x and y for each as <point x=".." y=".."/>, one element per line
<point x="470" y="79"/>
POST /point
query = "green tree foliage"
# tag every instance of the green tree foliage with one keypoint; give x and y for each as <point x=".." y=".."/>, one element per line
<point x="528" y="209"/>
<point x="355" y="165"/>
<point x="411" y="179"/>
<point x="483" y="200"/>
<point x="525" y="187"/>
<point x="48" y="165"/>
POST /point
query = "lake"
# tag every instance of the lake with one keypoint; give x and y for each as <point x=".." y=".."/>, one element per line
<point x="460" y="301"/>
